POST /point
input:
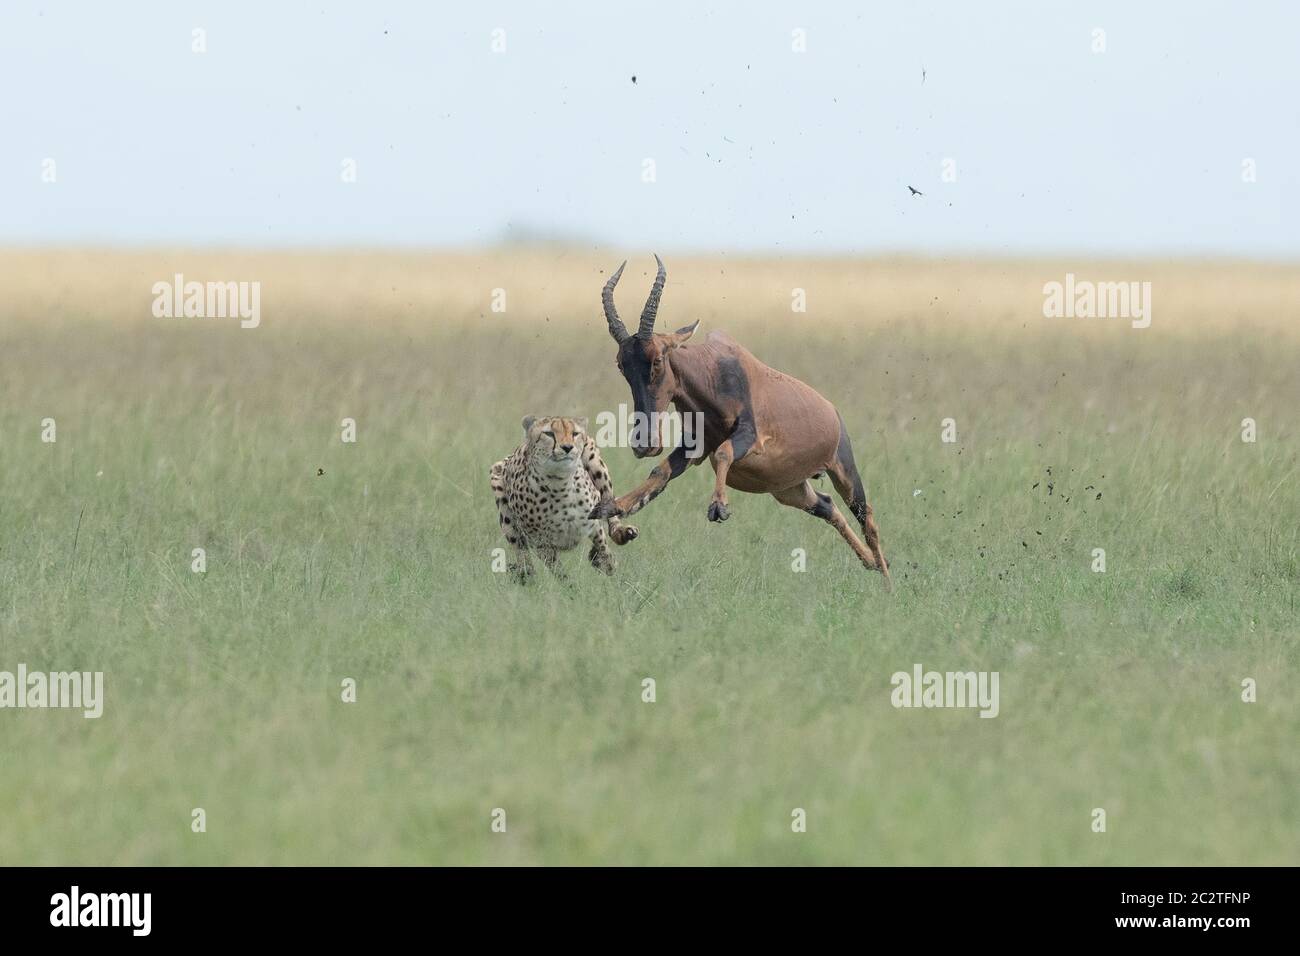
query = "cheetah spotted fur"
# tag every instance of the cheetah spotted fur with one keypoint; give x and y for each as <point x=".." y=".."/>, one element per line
<point x="547" y="488"/>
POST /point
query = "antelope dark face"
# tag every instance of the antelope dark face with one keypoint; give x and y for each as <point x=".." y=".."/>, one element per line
<point x="644" y="364"/>
<point x="644" y="360"/>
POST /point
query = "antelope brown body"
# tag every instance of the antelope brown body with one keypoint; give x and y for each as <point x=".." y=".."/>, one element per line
<point x="764" y="431"/>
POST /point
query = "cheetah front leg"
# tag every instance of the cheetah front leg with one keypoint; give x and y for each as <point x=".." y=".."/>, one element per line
<point x="601" y="558"/>
<point x="551" y="558"/>
<point x="522" y="566"/>
<point x="599" y="474"/>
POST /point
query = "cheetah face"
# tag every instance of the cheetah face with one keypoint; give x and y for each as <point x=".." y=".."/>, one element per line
<point x="555" y="445"/>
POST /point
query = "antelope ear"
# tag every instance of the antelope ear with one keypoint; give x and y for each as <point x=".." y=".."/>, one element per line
<point x="685" y="332"/>
<point x="581" y="423"/>
<point x="528" y="423"/>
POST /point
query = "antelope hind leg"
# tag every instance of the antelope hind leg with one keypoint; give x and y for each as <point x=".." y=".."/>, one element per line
<point x="848" y="483"/>
<point x="806" y="498"/>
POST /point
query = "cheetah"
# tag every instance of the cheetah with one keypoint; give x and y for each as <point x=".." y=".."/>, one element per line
<point x="547" y="488"/>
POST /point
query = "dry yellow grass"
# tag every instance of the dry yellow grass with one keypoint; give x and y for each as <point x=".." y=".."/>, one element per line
<point x="562" y="286"/>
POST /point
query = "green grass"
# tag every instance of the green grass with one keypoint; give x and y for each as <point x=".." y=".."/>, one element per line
<point x="1118" y="690"/>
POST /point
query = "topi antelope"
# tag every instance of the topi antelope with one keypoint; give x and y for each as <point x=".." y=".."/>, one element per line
<point x="764" y="432"/>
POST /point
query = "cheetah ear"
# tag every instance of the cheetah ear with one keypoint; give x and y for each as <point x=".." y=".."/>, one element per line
<point x="581" y="423"/>
<point x="528" y="423"/>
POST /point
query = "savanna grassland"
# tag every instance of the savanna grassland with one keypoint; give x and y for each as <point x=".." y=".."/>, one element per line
<point x="1120" y="690"/>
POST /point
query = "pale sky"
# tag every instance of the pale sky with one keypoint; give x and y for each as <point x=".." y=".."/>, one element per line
<point x="756" y="147"/>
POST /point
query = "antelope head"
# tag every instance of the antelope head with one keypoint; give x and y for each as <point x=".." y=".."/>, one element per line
<point x="644" y="360"/>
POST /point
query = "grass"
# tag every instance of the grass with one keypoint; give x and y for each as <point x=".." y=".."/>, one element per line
<point x="1119" y="690"/>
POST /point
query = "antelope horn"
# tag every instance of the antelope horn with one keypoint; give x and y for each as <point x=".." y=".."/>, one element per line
<point x="616" y="328"/>
<point x="652" y="303"/>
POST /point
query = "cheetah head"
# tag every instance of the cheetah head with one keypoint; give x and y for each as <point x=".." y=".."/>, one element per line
<point x="555" y="444"/>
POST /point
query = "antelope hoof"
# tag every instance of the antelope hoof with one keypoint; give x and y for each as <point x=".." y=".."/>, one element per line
<point x="623" y="534"/>
<point x="608" y="509"/>
<point x="718" y="512"/>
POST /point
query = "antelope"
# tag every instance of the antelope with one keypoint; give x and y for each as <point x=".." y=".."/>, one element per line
<point x="765" y="432"/>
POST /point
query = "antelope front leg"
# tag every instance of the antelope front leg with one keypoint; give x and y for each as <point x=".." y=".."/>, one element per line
<point x="647" y="491"/>
<point x="731" y="450"/>
<point x="722" y="459"/>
